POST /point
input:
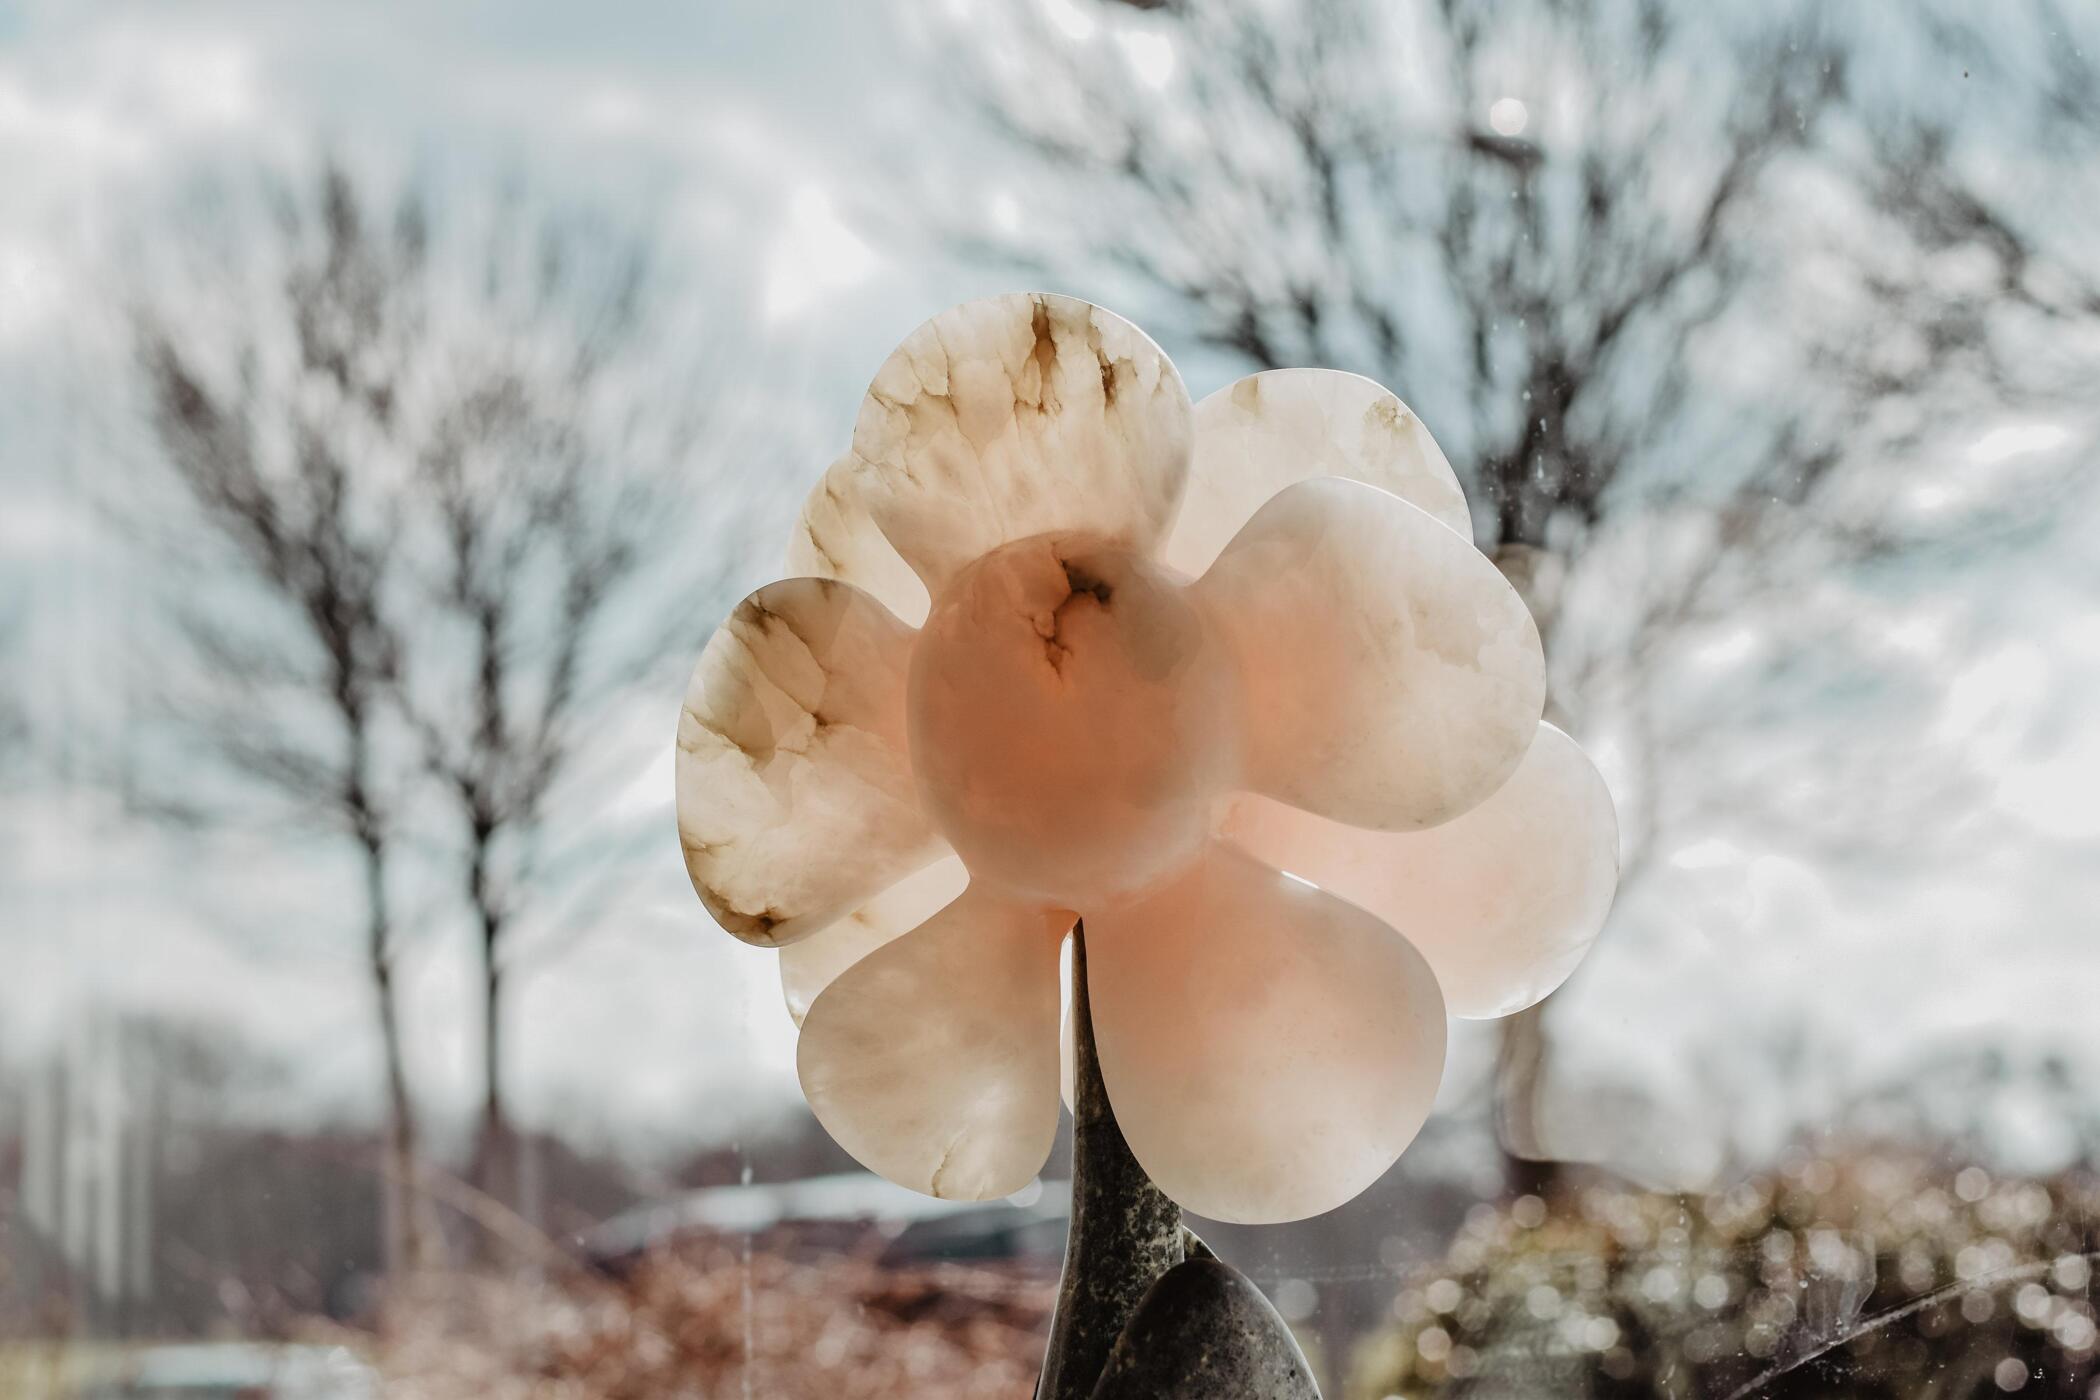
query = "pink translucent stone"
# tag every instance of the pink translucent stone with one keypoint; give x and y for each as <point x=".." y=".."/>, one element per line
<point x="1062" y="648"/>
<point x="809" y="965"/>
<point x="1005" y="418"/>
<point x="933" y="1060"/>
<point x="1269" y="1050"/>
<point x="795" y="794"/>
<point x="1267" y="431"/>
<point x="1392" y="677"/>
<point x="1071" y="721"/>
<point x="1503" y="901"/>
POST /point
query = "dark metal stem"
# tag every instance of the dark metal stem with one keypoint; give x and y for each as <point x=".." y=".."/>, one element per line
<point x="1125" y="1233"/>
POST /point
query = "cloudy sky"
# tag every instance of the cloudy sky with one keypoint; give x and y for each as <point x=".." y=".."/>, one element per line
<point x="757" y="136"/>
<point x="724" y="126"/>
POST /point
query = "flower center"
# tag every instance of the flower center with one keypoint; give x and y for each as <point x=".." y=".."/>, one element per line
<point x="1070" y="719"/>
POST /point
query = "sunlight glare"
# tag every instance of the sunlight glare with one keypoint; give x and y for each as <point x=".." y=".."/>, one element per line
<point x="1071" y="21"/>
<point x="1150" y="55"/>
<point x="817" y="254"/>
<point x="29" y="292"/>
<point x="1509" y="116"/>
<point x="650" y="790"/>
<point x="615" y="110"/>
<point x="1712" y="853"/>
<point x="2053" y="794"/>
<point x="2018" y="440"/>
<point x="1727" y="649"/>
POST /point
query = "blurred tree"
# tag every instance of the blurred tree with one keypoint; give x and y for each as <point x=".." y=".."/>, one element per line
<point x="434" y="449"/>
<point x="1593" y="244"/>
<point x="549" y="494"/>
<point x="264" y="435"/>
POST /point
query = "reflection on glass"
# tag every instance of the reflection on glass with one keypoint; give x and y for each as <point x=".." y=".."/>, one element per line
<point x="389" y="403"/>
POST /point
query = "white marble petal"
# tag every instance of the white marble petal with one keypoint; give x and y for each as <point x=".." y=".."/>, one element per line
<point x="836" y="538"/>
<point x="795" y="794"/>
<point x="809" y="965"/>
<point x="1391" y="676"/>
<point x="1262" y="433"/>
<point x="1503" y="901"/>
<point x="934" y="1060"/>
<point x="1269" y="1049"/>
<point x="1016" y="416"/>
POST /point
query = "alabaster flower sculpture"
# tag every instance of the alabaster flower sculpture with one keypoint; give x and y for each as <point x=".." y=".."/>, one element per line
<point x="1229" y="684"/>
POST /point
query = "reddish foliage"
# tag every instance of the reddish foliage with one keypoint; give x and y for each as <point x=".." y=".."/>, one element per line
<point x="716" y="1322"/>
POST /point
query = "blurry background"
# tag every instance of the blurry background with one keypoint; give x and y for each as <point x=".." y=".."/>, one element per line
<point x="392" y="398"/>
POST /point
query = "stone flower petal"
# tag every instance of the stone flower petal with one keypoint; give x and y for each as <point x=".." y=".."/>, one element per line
<point x="836" y="538"/>
<point x="795" y="795"/>
<point x="1269" y="1049"/>
<point x="1010" y="417"/>
<point x="1503" y="901"/>
<point x="933" y="1060"/>
<point x="809" y="965"/>
<point x="1264" y="432"/>
<point x="1392" y="677"/>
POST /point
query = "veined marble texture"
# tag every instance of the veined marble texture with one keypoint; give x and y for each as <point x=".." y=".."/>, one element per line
<point x="1229" y="682"/>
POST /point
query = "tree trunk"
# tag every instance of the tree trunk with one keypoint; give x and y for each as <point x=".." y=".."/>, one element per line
<point x="494" y="1157"/>
<point x="406" y="1239"/>
<point x="1124" y="1234"/>
<point x="1521" y="1042"/>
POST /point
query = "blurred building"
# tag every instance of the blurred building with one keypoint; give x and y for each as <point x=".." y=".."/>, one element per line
<point x="82" y="1236"/>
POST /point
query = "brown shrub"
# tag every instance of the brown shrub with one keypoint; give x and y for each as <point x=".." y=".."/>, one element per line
<point x="715" y="1321"/>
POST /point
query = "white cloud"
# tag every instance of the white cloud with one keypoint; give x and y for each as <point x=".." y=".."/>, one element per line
<point x="125" y="93"/>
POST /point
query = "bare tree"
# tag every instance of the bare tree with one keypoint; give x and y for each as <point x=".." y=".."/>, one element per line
<point x="261" y="431"/>
<point x="1505" y="214"/>
<point x="458" y="489"/>
<point x="1623" y="255"/>
<point x="548" y="506"/>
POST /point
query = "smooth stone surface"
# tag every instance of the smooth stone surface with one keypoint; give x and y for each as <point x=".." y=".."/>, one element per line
<point x="933" y="1060"/>
<point x="1016" y="416"/>
<point x="809" y="965"/>
<point x="1392" y="677"/>
<point x="1269" y="1049"/>
<point x="1204" y="1332"/>
<point x="1270" y="430"/>
<point x="836" y="537"/>
<point x="796" y="801"/>
<point x="1503" y="901"/>
<point x="1072" y="721"/>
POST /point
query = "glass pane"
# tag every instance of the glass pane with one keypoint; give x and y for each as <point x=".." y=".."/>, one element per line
<point x="394" y="399"/>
